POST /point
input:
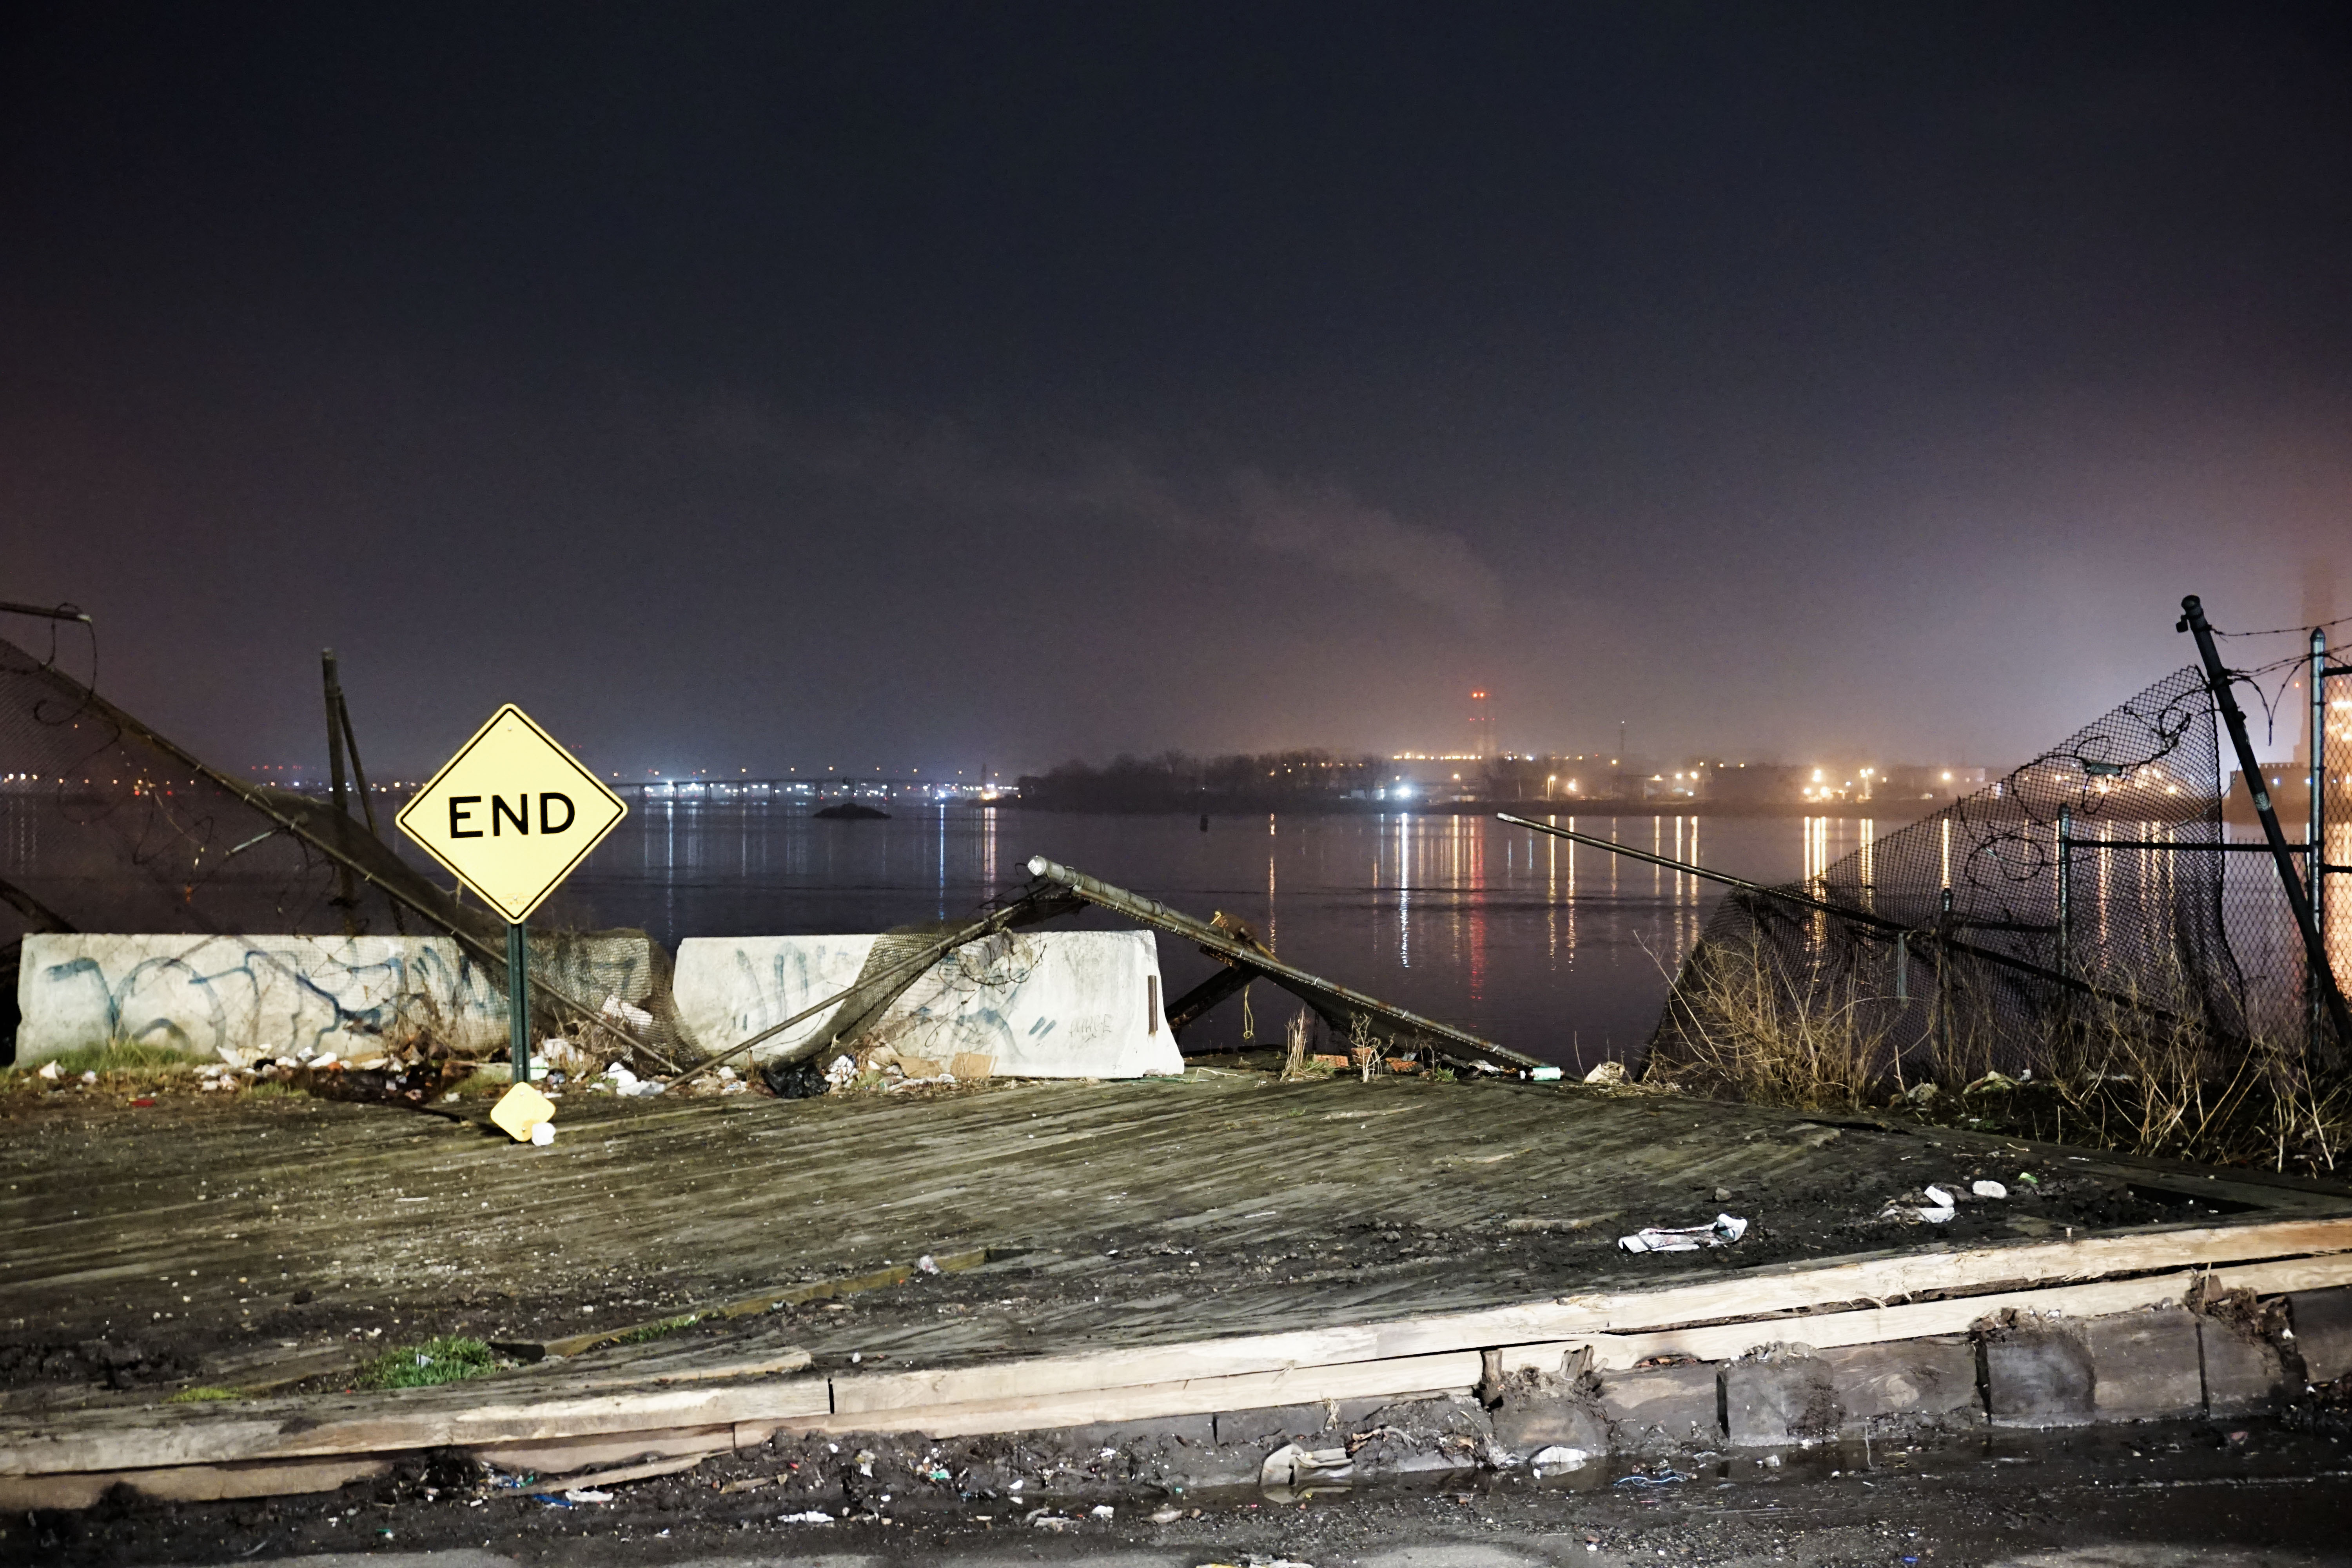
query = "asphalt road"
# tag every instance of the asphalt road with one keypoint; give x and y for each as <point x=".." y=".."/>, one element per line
<point x="2242" y="1494"/>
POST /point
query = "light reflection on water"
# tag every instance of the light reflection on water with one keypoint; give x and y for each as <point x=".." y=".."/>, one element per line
<point x="1553" y="948"/>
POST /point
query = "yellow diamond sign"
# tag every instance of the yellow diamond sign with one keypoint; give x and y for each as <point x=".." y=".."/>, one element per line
<point x="511" y="814"/>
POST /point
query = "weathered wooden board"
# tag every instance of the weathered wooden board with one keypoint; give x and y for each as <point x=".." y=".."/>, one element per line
<point x="120" y="1439"/>
<point x="1393" y="1377"/>
<point x="191" y="1483"/>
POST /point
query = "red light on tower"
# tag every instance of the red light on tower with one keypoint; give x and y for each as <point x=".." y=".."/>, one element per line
<point x="1482" y="724"/>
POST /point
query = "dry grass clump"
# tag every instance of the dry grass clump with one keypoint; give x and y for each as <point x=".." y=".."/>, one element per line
<point x="2134" y="1064"/>
<point x="1747" y="1031"/>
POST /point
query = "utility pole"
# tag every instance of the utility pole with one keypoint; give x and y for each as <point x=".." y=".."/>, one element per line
<point x="2298" y="897"/>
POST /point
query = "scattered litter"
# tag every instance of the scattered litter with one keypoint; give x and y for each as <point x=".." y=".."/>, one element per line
<point x="1657" y="1478"/>
<point x="2029" y="1178"/>
<point x="814" y="1516"/>
<point x="927" y="1264"/>
<point x="1989" y="1189"/>
<point x="49" y="1072"/>
<point x="1167" y="1515"/>
<point x="1046" y="1519"/>
<point x="89" y="1076"/>
<point x="543" y="1134"/>
<point x="1100" y="1510"/>
<point x="1543" y="1075"/>
<point x="1607" y="1073"/>
<point x="1937" y="1210"/>
<point x="587" y="1496"/>
<point x="1291" y="1467"/>
<point x="636" y="1017"/>
<point x="552" y="1502"/>
<point x="1558" y="1458"/>
<point x="1726" y="1229"/>
<point x="842" y="1073"/>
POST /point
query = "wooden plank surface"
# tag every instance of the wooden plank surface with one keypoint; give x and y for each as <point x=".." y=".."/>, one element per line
<point x="1142" y="1236"/>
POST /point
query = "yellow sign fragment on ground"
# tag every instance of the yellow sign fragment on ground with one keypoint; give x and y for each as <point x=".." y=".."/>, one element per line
<point x="520" y="1110"/>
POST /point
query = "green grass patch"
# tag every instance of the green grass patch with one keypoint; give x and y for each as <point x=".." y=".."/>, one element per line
<point x="202" y="1395"/>
<point x="645" y="1331"/>
<point x="449" y="1359"/>
<point x="132" y="1061"/>
<point x="128" y="1055"/>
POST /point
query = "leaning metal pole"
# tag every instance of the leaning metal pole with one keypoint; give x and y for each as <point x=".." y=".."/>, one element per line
<point x="1151" y="913"/>
<point x="2298" y="897"/>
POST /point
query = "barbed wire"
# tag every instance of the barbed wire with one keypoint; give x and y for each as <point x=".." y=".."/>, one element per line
<point x="2288" y="631"/>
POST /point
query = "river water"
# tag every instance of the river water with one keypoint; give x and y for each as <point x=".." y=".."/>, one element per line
<point x="1556" y="949"/>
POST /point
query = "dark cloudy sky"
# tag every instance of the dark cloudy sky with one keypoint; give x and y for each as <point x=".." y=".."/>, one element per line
<point x="755" y="385"/>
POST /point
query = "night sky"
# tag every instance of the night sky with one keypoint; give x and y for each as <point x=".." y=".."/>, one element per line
<point x="761" y="386"/>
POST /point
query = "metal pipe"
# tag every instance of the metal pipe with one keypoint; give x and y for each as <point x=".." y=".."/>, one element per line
<point x="1151" y="913"/>
<point x="2298" y="899"/>
<point x="2201" y="847"/>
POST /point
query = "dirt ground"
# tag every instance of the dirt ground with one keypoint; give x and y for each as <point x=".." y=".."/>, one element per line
<point x="2265" y="1491"/>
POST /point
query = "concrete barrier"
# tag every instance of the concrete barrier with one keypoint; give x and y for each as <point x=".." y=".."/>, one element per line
<point x="345" y="995"/>
<point x="1037" y="1004"/>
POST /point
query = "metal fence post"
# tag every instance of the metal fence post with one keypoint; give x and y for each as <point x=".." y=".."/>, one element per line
<point x="2065" y="891"/>
<point x="2317" y="879"/>
<point x="519" y="1000"/>
<point x="1943" y="984"/>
